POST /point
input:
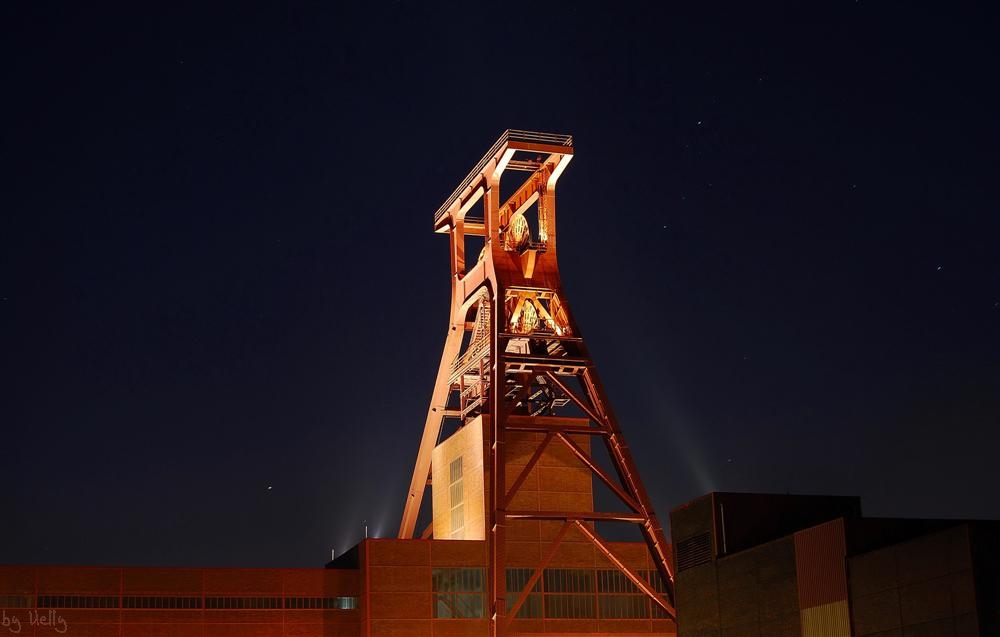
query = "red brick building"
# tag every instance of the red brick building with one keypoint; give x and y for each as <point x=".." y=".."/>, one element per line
<point x="382" y="587"/>
<point x="179" y="602"/>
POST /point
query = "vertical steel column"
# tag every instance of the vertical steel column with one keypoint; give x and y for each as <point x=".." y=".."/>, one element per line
<point x="497" y="513"/>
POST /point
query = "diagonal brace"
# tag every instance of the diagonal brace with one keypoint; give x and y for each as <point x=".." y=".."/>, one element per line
<point x="537" y="575"/>
<point x="599" y="472"/>
<point x="576" y="399"/>
<point x="642" y="584"/>
<point x="521" y="477"/>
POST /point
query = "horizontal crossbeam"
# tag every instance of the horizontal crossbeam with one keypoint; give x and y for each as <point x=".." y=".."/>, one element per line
<point x="595" y="516"/>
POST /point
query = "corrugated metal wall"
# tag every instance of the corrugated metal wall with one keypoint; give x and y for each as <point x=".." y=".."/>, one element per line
<point x="821" y="569"/>
<point x="828" y="620"/>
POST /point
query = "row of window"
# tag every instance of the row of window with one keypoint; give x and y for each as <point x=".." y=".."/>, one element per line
<point x="456" y="490"/>
<point x="459" y="593"/>
<point x="556" y="606"/>
<point x="16" y="601"/>
<point x="298" y="603"/>
<point x="459" y="605"/>
<point x="558" y="594"/>
<point x="553" y="580"/>
<point x="146" y="601"/>
<point x="175" y="602"/>
<point x="463" y="580"/>
<point x="77" y="601"/>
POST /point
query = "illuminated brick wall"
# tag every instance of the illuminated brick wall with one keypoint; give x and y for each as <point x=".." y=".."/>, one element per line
<point x="178" y="602"/>
<point x="558" y="482"/>
<point x="411" y="588"/>
<point x="430" y="588"/>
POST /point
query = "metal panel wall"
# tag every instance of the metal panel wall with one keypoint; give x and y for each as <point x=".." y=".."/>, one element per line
<point x="820" y="563"/>
<point x="821" y="569"/>
<point x="828" y="620"/>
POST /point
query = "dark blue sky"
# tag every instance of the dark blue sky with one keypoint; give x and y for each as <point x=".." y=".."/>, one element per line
<point x="779" y="236"/>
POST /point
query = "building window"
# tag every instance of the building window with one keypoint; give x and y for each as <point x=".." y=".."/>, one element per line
<point x="619" y="597"/>
<point x="569" y="593"/>
<point x="242" y="603"/>
<point x="343" y="603"/>
<point x="149" y="601"/>
<point x="183" y="602"/>
<point x="274" y="603"/>
<point x="517" y="579"/>
<point x="559" y="594"/>
<point x="324" y="603"/>
<point x="458" y="592"/>
<point x="77" y="601"/>
<point x="654" y="579"/>
<point x="16" y="601"/>
<point x="456" y="490"/>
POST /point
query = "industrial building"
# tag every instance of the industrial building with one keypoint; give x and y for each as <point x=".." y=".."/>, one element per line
<point x="808" y="566"/>
<point x="746" y="564"/>
<point x="141" y="601"/>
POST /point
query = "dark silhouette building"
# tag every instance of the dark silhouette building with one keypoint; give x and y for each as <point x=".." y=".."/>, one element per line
<point x="810" y="566"/>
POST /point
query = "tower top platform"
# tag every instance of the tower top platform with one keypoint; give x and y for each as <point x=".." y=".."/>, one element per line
<point x="509" y="142"/>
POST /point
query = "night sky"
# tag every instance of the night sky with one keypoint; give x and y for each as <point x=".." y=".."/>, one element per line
<point x="222" y="303"/>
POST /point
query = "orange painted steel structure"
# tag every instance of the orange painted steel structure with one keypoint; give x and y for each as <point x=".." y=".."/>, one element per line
<point x="514" y="353"/>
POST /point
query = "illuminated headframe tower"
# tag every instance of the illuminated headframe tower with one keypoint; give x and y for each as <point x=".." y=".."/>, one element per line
<point x="506" y="446"/>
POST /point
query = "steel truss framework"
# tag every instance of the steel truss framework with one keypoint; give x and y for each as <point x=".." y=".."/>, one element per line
<point x="514" y="353"/>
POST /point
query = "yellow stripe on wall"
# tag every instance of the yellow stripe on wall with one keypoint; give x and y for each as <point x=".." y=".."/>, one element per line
<point x="828" y="620"/>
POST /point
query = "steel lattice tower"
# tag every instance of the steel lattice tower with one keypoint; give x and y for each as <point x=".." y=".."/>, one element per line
<point x="513" y="358"/>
